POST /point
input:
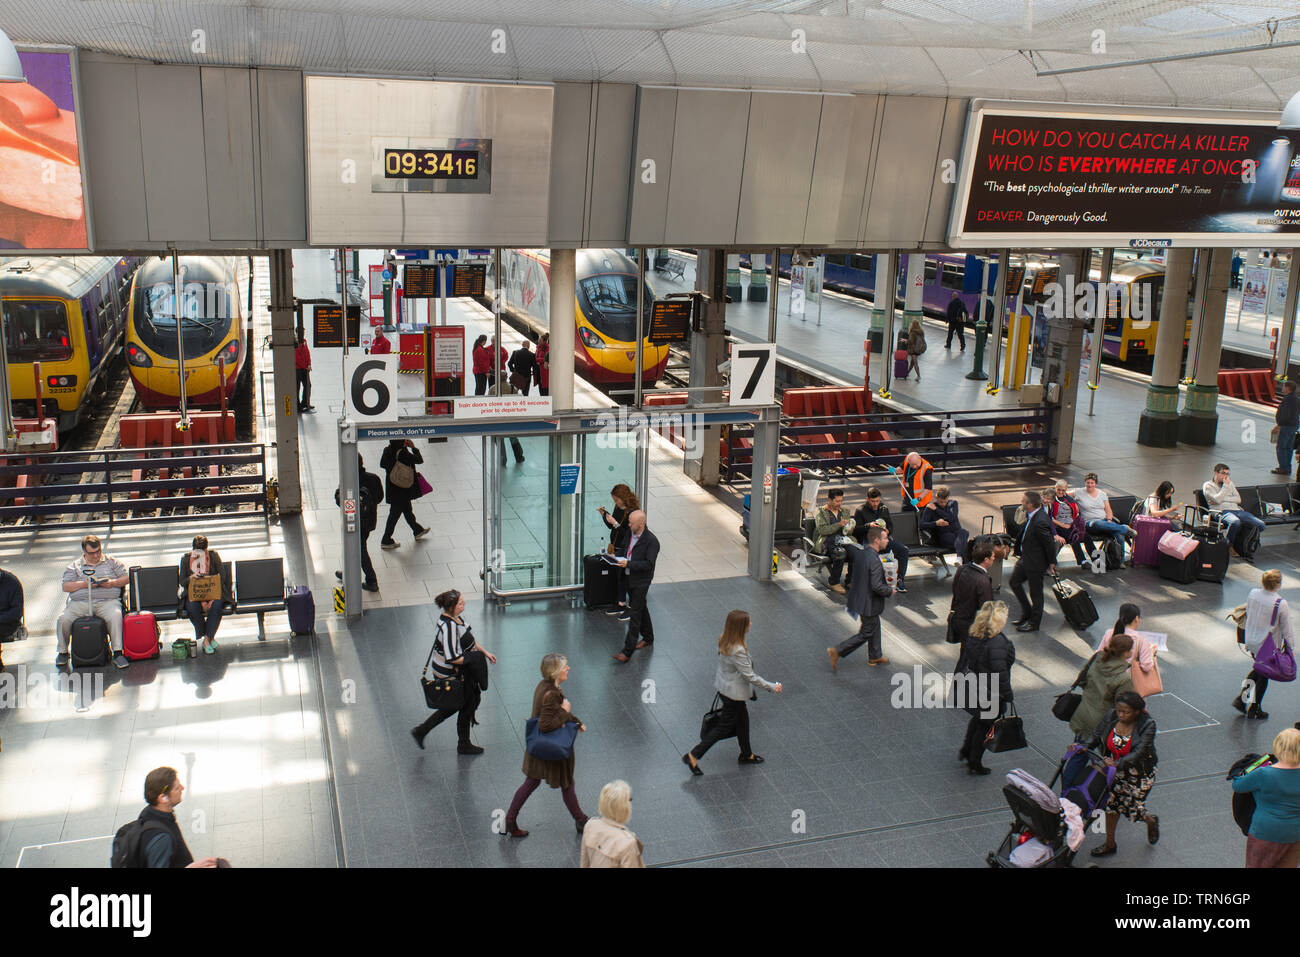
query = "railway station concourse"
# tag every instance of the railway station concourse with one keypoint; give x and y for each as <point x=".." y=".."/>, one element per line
<point x="722" y="255"/>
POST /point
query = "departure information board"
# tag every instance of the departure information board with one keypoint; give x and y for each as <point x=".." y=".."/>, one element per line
<point x="424" y="282"/>
<point x="420" y="282"/>
<point x="469" y="280"/>
<point x="670" y="320"/>
<point x="327" y="327"/>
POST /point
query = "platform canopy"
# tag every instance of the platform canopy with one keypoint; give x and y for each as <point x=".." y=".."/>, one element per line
<point x="991" y="48"/>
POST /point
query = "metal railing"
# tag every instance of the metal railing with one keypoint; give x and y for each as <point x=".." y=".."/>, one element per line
<point x="951" y="441"/>
<point x="103" y="485"/>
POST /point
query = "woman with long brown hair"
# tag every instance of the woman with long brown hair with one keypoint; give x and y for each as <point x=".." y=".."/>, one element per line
<point x="732" y="680"/>
<point x="625" y="503"/>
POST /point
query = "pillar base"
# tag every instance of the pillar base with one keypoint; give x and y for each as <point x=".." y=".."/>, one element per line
<point x="1158" y="431"/>
<point x="1198" y="429"/>
<point x="756" y="293"/>
<point x="735" y="293"/>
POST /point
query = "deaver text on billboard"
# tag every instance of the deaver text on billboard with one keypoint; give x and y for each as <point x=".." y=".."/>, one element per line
<point x="1086" y="176"/>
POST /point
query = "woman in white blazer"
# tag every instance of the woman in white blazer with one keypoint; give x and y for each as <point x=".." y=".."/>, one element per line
<point x="732" y="681"/>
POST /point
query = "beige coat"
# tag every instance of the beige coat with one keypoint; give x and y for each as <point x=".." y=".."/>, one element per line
<point x="606" y="844"/>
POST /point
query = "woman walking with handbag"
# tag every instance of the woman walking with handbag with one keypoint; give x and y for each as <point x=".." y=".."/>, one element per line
<point x="203" y="562"/>
<point x="1268" y="623"/>
<point x="401" y="488"/>
<point x="988" y="655"/>
<point x="1126" y="738"/>
<point x="452" y="659"/>
<point x="552" y="711"/>
<point x="1143" y="668"/>
<point x="1107" y="674"/>
<point x="733" y="678"/>
<point x="915" y="347"/>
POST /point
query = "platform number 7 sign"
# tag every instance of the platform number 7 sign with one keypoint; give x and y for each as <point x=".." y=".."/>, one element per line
<point x="370" y="386"/>
<point x="753" y="374"/>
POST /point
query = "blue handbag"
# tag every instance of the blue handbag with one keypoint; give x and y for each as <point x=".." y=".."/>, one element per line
<point x="554" y="745"/>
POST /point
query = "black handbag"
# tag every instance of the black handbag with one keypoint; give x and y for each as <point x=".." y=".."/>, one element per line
<point x="1066" y="704"/>
<point x="950" y="637"/>
<point x="711" y="717"/>
<point x="441" y="694"/>
<point x="1007" y="733"/>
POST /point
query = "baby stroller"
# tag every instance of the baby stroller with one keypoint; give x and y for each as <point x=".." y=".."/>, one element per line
<point x="1038" y="835"/>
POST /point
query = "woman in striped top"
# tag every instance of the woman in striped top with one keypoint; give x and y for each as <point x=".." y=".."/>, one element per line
<point x="454" y="654"/>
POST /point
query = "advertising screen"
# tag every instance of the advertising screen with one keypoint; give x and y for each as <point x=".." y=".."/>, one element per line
<point x="42" y="197"/>
<point x="1087" y="177"/>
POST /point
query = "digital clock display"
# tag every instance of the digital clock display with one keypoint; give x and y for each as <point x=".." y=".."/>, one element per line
<point x="431" y="164"/>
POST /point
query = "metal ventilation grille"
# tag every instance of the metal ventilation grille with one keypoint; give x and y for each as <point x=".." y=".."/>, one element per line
<point x="933" y="47"/>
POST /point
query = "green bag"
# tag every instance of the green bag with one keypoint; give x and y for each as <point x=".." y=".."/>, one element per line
<point x="181" y="649"/>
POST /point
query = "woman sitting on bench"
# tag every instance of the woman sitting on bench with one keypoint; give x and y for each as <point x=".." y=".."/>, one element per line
<point x="203" y="564"/>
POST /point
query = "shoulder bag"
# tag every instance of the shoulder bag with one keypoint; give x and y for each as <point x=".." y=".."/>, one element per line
<point x="711" y="717"/>
<point x="401" y="475"/>
<point x="554" y="745"/>
<point x="1147" y="684"/>
<point x="441" y="694"/>
<point x="1275" y="659"/>
<point x="1065" y="704"/>
<point x="1007" y="733"/>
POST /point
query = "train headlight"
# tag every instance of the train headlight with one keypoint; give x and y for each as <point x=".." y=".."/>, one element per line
<point x="231" y="352"/>
<point x="590" y="339"/>
<point x="138" y="357"/>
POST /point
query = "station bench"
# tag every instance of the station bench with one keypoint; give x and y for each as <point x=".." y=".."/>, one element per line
<point x="253" y="586"/>
<point x="673" y="266"/>
<point x="1255" y="499"/>
<point x="1121" y="506"/>
<point x="906" y="532"/>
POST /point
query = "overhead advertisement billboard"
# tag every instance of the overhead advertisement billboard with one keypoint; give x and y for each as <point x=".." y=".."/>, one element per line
<point x="42" y="181"/>
<point x="1046" y="175"/>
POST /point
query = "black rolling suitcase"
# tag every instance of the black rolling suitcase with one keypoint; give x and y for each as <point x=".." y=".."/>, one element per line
<point x="89" y="641"/>
<point x="1211" y="560"/>
<point x="1181" y="570"/>
<point x="599" y="582"/>
<point x="1076" y="604"/>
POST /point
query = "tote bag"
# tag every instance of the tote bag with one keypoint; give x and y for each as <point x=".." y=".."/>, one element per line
<point x="554" y="745"/>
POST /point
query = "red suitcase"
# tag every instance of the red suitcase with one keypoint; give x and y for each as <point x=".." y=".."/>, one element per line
<point x="1146" y="550"/>
<point x="140" y="636"/>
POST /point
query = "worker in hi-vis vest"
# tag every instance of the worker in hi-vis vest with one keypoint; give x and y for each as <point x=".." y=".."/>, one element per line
<point x="918" y="482"/>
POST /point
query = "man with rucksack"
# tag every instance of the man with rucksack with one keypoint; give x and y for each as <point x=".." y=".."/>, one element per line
<point x="154" y="838"/>
<point x="370" y="493"/>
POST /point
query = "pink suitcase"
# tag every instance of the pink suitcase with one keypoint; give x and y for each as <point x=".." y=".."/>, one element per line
<point x="1177" y="545"/>
<point x="1146" y="550"/>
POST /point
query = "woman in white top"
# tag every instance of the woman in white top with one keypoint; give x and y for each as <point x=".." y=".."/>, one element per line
<point x="1266" y="611"/>
<point x="453" y="655"/>
<point x="1142" y="659"/>
<point x="1099" y="520"/>
<point x="734" y="676"/>
<point x="1160" y="504"/>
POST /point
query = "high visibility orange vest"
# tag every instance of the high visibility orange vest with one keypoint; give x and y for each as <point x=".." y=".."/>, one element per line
<point x="919" y="491"/>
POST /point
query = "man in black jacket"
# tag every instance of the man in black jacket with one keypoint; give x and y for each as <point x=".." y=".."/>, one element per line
<point x="875" y="510"/>
<point x="371" y="494"/>
<point x="1037" y="549"/>
<point x="158" y="842"/>
<point x="1287" y="419"/>
<point x="956" y="322"/>
<point x="939" y="520"/>
<point x="523" y="368"/>
<point x="866" y="600"/>
<point x="971" y="588"/>
<point x="11" y="607"/>
<point x="639" y="566"/>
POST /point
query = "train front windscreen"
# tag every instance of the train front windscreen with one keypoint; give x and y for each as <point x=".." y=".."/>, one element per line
<point x="206" y="307"/>
<point x="610" y="305"/>
<point x="36" y="330"/>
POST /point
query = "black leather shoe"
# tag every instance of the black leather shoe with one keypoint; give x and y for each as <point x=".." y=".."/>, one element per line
<point x="694" y="766"/>
<point x="1026" y="626"/>
<point x="752" y="759"/>
<point x="1104" y="850"/>
<point x="1239" y="704"/>
<point x="978" y="769"/>
<point x="1019" y="621"/>
<point x="466" y="747"/>
<point x="419" y="738"/>
<point x="1153" y="829"/>
<point x="1257" y="713"/>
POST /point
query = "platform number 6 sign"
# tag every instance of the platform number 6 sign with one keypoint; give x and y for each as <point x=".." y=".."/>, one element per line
<point x="753" y="374"/>
<point x="371" y="386"/>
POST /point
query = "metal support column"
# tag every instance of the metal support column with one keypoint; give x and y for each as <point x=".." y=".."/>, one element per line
<point x="284" y="381"/>
<point x="640" y="327"/>
<point x="499" y="294"/>
<point x="1099" y="325"/>
<point x="708" y="350"/>
<point x="776" y="294"/>
<point x="350" y="516"/>
<point x="762" y="497"/>
<point x="1286" y="334"/>
<point x="999" y="318"/>
<point x="8" y="436"/>
<point x="887" y="337"/>
<point x="563" y="327"/>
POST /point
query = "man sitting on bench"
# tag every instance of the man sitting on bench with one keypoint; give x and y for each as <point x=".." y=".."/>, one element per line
<point x="11" y="607"/>
<point x="1225" y="501"/>
<point x="109" y="578"/>
<point x="939" y="520"/>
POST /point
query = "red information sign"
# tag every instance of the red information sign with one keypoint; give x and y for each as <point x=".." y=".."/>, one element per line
<point x="444" y="365"/>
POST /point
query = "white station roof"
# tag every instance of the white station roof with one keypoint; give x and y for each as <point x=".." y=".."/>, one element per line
<point x="990" y="48"/>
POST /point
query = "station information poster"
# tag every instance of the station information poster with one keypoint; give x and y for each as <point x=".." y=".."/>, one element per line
<point x="327" y="327"/>
<point x="42" y="197"/>
<point x="1087" y="177"/>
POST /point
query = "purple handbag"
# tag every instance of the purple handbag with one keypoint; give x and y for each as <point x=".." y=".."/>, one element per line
<point x="425" y="487"/>
<point x="1274" y="662"/>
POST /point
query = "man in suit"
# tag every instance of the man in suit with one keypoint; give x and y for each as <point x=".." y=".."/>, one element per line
<point x="971" y="588"/>
<point x="1037" y="549"/>
<point x="867" y="600"/>
<point x="639" y="566"/>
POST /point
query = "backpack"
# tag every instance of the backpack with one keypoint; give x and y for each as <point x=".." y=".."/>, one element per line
<point x="1247" y="540"/>
<point x="1114" y="555"/>
<point x="128" y="843"/>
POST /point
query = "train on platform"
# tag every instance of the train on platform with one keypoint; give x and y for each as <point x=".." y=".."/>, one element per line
<point x="211" y="331"/>
<point x="67" y="316"/>
<point x="1132" y="318"/>
<point x="604" y="311"/>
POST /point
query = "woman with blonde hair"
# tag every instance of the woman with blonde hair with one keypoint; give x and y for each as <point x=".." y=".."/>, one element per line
<point x="915" y="346"/>
<point x="1266" y="614"/>
<point x="606" y="840"/>
<point x="1274" y="838"/>
<point x="552" y="710"/>
<point x="987" y="655"/>
<point x="732" y="681"/>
